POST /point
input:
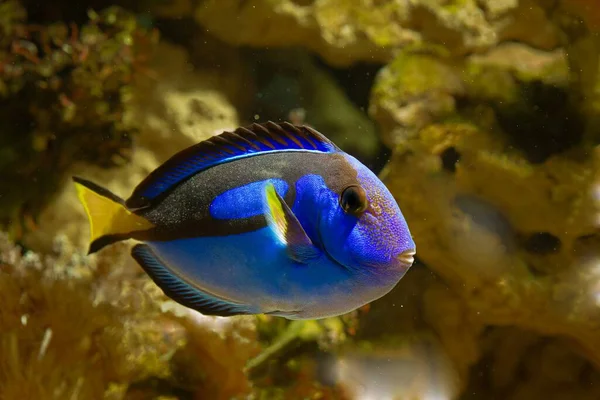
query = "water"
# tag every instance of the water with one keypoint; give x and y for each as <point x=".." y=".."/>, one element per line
<point x="481" y="117"/>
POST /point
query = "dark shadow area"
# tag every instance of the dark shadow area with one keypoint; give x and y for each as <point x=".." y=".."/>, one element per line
<point x="521" y="364"/>
<point x="356" y="80"/>
<point x="450" y="158"/>
<point x="543" y="122"/>
<point x="542" y="243"/>
<point x="178" y="31"/>
<point x="45" y="12"/>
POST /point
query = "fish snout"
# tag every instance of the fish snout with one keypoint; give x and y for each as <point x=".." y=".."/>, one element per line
<point x="407" y="258"/>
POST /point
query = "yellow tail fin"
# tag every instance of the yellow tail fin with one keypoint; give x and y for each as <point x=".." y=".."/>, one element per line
<point x="109" y="218"/>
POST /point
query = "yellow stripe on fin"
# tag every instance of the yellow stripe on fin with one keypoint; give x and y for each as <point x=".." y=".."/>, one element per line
<point x="106" y="213"/>
<point x="275" y="214"/>
<point x="287" y="228"/>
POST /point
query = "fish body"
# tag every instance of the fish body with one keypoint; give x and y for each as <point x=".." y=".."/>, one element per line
<point x="272" y="218"/>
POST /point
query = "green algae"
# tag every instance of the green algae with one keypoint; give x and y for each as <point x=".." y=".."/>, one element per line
<point x="413" y="74"/>
<point x="373" y="21"/>
<point x="416" y="88"/>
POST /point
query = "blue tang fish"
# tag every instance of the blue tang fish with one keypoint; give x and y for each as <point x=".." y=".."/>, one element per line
<point x="268" y="219"/>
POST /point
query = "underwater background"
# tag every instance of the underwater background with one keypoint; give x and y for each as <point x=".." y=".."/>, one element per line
<point x="481" y="116"/>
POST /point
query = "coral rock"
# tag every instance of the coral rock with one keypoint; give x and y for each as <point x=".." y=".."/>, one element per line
<point x="344" y="31"/>
<point x="173" y="108"/>
<point x="502" y="219"/>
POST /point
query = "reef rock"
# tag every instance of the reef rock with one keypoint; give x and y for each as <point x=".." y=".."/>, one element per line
<point x="501" y="193"/>
<point x="421" y="87"/>
<point x="173" y="107"/>
<point x="411" y="92"/>
<point x="343" y="31"/>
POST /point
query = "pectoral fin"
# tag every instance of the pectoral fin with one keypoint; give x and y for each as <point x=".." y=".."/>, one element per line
<point x="287" y="228"/>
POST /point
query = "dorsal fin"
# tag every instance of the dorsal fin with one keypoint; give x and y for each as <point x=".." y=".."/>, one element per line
<point x="255" y="139"/>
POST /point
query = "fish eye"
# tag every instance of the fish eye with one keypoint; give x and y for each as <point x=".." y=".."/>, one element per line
<point x="354" y="200"/>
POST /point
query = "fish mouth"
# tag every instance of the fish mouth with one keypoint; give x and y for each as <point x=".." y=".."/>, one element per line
<point x="407" y="258"/>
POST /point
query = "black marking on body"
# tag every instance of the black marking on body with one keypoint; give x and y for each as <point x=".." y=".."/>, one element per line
<point x="183" y="212"/>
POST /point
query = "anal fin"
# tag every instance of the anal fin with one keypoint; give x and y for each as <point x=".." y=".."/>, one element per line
<point x="182" y="292"/>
